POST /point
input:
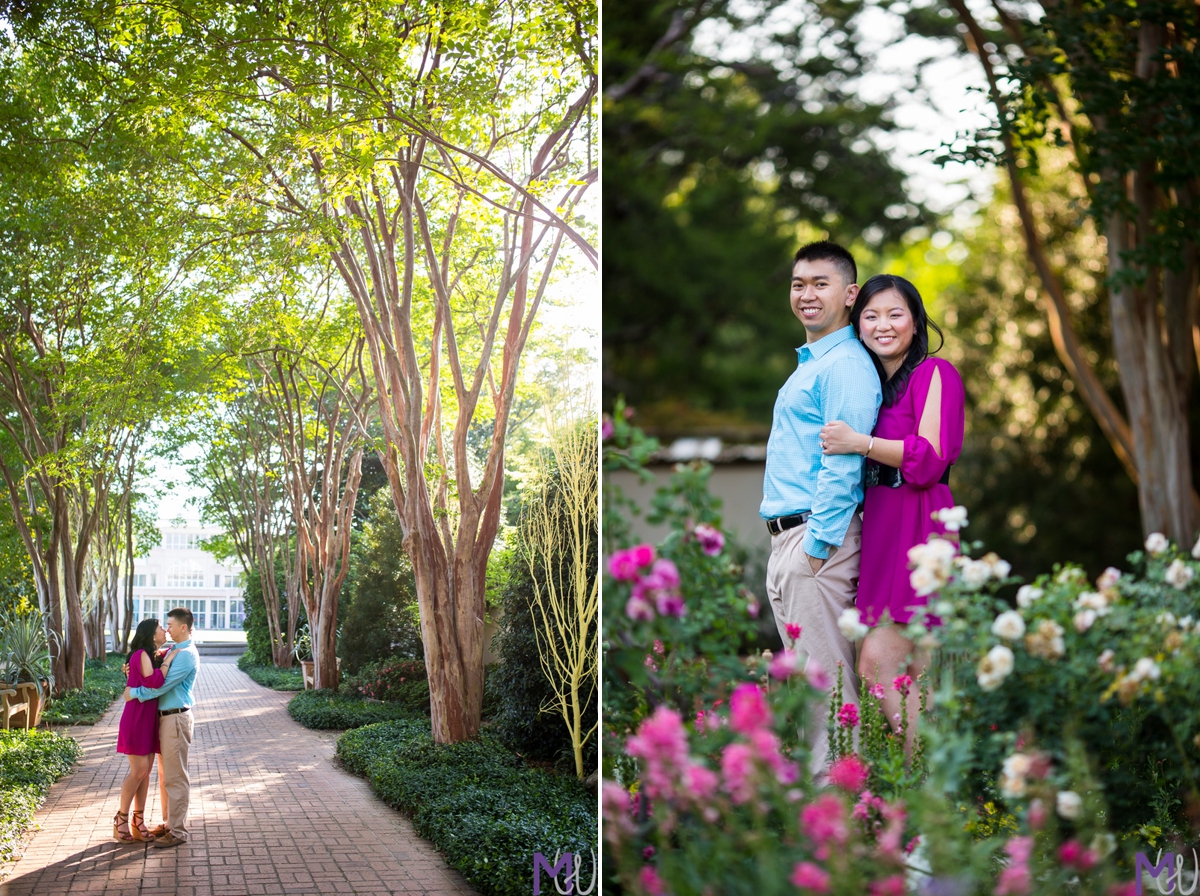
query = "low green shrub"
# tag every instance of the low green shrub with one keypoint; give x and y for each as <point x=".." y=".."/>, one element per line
<point x="326" y="709"/>
<point x="102" y="683"/>
<point x="476" y="801"/>
<point x="30" y="761"/>
<point x="271" y="676"/>
<point x="394" y="680"/>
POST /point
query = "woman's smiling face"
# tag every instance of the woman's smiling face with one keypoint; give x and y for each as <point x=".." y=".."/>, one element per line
<point x="886" y="327"/>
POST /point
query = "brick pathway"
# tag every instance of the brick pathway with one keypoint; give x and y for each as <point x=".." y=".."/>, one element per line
<point x="270" y="814"/>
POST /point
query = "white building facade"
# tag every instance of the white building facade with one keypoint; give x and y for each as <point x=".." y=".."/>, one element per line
<point x="179" y="573"/>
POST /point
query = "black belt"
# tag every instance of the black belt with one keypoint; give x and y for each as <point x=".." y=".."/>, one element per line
<point x="782" y="523"/>
<point x="881" y="474"/>
<point x="170" y="712"/>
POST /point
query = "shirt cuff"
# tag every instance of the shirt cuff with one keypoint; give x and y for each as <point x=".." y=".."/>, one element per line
<point x="814" y="547"/>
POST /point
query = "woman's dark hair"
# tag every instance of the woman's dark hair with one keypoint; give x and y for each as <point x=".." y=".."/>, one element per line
<point x="893" y="388"/>
<point x="143" y="639"/>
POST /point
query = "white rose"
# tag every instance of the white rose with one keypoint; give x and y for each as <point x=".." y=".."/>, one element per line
<point x="1070" y="574"/>
<point x="1103" y="845"/>
<point x="1108" y="578"/>
<point x="974" y="573"/>
<point x="1185" y="621"/>
<point x="1009" y="625"/>
<point x="1092" y="600"/>
<point x="1179" y="574"/>
<point x="1001" y="569"/>
<point x="1083" y="620"/>
<point x="953" y="518"/>
<point x="1145" y="668"/>
<point x="1012" y="776"/>
<point x="924" y="581"/>
<point x="1104" y="661"/>
<point x="1027" y="594"/>
<point x="1156" y="543"/>
<point x="850" y="626"/>
<point x="943" y="608"/>
<point x="1069" y="804"/>
<point x="1196" y="549"/>
<point x="996" y="666"/>
<point x="1167" y="619"/>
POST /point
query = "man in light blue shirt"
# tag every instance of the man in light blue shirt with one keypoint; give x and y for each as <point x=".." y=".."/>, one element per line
<point x="810" y="499"/>
<point x="175" y="726"/>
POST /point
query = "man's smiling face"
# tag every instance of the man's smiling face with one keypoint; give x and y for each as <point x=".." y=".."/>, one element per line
<point x="820" y="298"/>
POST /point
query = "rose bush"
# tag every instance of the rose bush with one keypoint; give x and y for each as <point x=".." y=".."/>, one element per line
<point x="1040" y="703"/>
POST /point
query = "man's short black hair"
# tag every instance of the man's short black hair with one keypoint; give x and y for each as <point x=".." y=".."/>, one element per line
<point x="183" y="614"/>
<point x="827" y="250"/>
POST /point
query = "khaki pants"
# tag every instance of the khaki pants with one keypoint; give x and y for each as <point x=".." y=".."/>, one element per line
<point x="174" y="740"/>
<point x="814" y="602"/>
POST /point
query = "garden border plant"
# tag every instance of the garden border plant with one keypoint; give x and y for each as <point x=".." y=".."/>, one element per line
<point x="476" y="801"/>
<point x="30" y="761"/>
<point x="103" y="682"/>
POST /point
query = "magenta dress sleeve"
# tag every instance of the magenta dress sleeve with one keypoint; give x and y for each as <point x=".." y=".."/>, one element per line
<point x="922" y="467"/>
<point x="136" y="680"/>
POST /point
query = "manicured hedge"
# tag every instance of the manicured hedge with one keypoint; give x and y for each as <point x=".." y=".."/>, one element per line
<point x="476" y="801"/>
<point x="272" y="676"/>
<point x="30" y="761"/>
<point x="327" y="709"/>
<point x="102" y="683"/>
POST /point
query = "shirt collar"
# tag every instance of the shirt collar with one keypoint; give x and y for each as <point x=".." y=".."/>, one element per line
<point x="182" y="644"/>
<point x="822" y="346"/>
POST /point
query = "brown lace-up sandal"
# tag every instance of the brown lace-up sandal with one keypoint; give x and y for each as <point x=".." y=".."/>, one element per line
<point x="138" y="829"/>
<point x="121" y="828"/>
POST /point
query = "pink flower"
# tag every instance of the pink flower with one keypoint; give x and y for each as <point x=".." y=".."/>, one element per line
<point x="823" y="821"/>
<point x="889" y="840"/>
<point x="793" y="631"/>
<point x="663" y="575"/>
<point x="1013" y="882"/>
<point x="748" y="710"/>
<point x="616" y="806"/>
<point x="848" y="715"/>
<point x="784" y="665"/>
<point x="901" y="683"/>
<point x="639" y="609"/>
<point x="1019" y="849"/>
<point x="1126" y="888"/>
<point x="648" y="853"/>
<point x="1075" y="855"/>
<point x="752" y="608"/>
<point x="669" y="604"/>
<point x="817" y="676"/>
<point x="808" y="876"/>
<point x="1037" y="815"/>
<point x="650" y="664"/>
<point x="606" y="428"/>
<point x="661" y="742"/>
<point x="911" y="845"/>
<point x="650" y="881"/>
<point x="888" y="886"/>
<point x="849" y="773"/>
<point x="766" y="745"/>
<point x="624" y="565"/>
<point x="737" y="767"/>
<point x="866" y="803"/>
<point x="876" y="691"/>
<point x="700" y="782"/>
<point x="710" y="538"/>
<point x="658" y="647"/>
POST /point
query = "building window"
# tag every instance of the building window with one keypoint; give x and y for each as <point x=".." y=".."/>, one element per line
<point x="153" y="580"/>
<point x="237" y="613"/>
<point x="185" y="575"/>
<point x="217" y="581"/>
<point x="139" y="581"/>
<point x="197" y="608"/>
<point x="218" y="613"/>
<point x="145" y="608"/>
<point x="181" y="541"/>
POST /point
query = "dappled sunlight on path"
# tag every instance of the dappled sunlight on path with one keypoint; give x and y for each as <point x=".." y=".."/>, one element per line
<point x="270" y="814"/>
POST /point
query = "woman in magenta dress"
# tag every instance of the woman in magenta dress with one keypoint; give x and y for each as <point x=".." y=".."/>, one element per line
<point x="917" y="437"/>
<point x="138" y="735"/>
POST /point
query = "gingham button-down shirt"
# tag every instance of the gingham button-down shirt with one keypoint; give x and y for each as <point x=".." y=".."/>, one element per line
<point x="834" y="380"/>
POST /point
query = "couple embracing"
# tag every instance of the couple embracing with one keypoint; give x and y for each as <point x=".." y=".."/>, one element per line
<point x="868" y="422"/>
<point x="157" y="719"/>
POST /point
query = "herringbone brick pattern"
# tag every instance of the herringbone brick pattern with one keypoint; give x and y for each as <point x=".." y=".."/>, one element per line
<point x="270" y="814"/>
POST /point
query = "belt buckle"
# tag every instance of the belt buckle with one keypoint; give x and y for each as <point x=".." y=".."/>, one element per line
<point x="872" y="476"/>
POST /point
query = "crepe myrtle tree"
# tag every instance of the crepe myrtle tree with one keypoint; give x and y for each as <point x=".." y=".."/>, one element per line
<point x="437" y="154"/>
